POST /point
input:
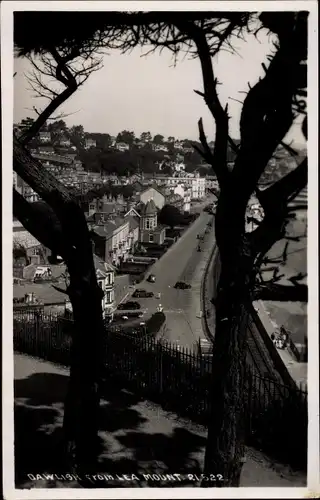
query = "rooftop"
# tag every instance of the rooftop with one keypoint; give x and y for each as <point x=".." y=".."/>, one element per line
<point x="149" y="208"/>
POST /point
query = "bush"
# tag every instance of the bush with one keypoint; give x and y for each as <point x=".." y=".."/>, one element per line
<point x="154" y="323"/>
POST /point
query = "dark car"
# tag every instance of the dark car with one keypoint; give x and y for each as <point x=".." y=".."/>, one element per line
<point x="151" y="278"/>
<point x="140" y="293"/>
<point x="129" y="305"/>
<point x="182" y="285"/>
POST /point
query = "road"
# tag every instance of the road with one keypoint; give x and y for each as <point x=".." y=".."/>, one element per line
<point x="182" y="262"/>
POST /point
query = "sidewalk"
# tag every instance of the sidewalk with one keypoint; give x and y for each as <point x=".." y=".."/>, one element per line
<point x="137" y="437"/>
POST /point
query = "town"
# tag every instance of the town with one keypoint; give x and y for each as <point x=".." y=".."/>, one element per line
<point x="159" y="249"/>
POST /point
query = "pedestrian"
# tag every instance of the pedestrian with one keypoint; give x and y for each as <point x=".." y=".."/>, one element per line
<point x="273" y="337"/>
<point x="284" y="335"/>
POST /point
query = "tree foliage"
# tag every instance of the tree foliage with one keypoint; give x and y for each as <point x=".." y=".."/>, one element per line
<point x="170" y="216"/>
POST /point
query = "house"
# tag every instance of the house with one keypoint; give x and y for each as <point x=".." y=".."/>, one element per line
<point x="150" y="231"/>
<point x="105" y="273"/>
<point x="90" y="143"/>
<point x="185" y="193"/>
<point x="122" y="146"/>
<point x="41" y="286"/>
<point x="178" y="145"/>
<point x="187" y="149"/>
<point x="111" y="239"/>
<point x="45" y="150"/>
<point x="194" y="181"/>
<point x="44" y="137"/>
<point x="159" y="147"/>
<point x="153" y="193"/>
<point x="179" y="167"/>
<point x="134" y="229"/>
<point x="65" y="142"/>
<point x="102" y="206"/>
<point x="211" y="182"/>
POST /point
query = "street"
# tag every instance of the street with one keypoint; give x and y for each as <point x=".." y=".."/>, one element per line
<point x="182" y="262"/>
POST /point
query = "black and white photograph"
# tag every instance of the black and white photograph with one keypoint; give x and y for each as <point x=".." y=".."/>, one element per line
<point x="164" y="322"/>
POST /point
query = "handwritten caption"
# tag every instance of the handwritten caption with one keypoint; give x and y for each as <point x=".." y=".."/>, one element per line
<point x="128" y="477"/>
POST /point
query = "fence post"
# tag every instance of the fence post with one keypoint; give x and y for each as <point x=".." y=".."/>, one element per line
<point x="161" y="371"/>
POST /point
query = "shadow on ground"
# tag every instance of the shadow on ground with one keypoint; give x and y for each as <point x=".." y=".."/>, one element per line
<point x="131" y="443"/>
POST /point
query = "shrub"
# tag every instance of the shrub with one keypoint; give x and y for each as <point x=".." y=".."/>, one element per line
<point x="154" y="323"/>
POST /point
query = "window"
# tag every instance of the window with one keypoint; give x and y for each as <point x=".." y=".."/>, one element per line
<point x="151" y="239"/>
<point x="100" y="283"/>
<point x="108" y="298"/>
<point x="147" y="224"/>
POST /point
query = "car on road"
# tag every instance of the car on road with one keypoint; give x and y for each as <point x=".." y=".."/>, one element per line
<point x="142" y="294"/>
<point x="181" y="285"/>
<point x="151" y="278"/>
<point x="129" y="305"/>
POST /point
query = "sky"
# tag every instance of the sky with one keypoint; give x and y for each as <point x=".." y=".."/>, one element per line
<point x="148" y="93"/>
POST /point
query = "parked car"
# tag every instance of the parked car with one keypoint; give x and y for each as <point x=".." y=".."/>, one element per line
<point x="151" y="278"/>
<point x="139" y="292"/>
<point x="182" y="285"/>
<point x="129" y="305"/>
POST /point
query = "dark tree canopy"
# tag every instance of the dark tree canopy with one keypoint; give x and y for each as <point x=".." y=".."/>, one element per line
<point x="170" y="216"/>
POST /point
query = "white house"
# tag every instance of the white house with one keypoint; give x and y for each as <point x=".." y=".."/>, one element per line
<point x="198" y="187"/>
<point x="45" y="137"/>
<point x="90" y="143"/>
<point x="185" y="193"/>
<point x="122" y="146"/>
<point x="179" y="167"/>
<point x="64" y="141"/>
<point x="193" y="181"/>
<point x="160" y="147"/>
<point x="178" y="145"/>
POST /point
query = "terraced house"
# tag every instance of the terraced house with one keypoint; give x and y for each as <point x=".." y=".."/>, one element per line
<point x="112" y="239"/>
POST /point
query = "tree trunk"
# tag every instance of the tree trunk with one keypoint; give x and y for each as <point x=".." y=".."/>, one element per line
<point x="81" y="413"/>
<point x="225" y="443"/>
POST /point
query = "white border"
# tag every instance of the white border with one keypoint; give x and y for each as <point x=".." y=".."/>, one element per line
<point x="10" y="492"/>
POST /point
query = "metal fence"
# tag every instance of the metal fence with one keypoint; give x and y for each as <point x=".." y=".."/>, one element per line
<point x="179" y="379"/>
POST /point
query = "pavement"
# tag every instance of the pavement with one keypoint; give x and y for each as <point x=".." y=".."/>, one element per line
<point x="293" y="315"/>
<point x="136" y="437"/>
<point x="182" y="262"/>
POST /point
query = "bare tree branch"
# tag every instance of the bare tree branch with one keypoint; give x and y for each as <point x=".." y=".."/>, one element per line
<point x="281" y="293"/>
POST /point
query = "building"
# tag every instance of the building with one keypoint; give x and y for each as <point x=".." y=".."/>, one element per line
<point x="160" y="147"/>
<point x="45" y="149"/>
<point x="178" y="145"/>
<point x="105" y="276"/>
<point x="179" y="167"/>
<point x="150" y="232"/>
<point x="153" y="193"/>
<point x="134" y="229"/>
<point x="26" y="249"/>
<point x="122" y="146"/>
<point x="185" y="193"/>
<point x="65" y="142"/>
<point x="35" y="288"/>
<point x="45" y="137"/>
<point x="193" y="181"/>
<point x="211" y="182"/>
<point x="111" y="239"/>
<point x="90" y="143"/>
